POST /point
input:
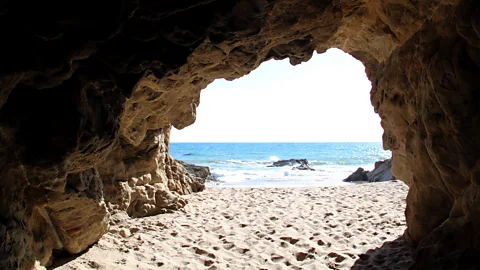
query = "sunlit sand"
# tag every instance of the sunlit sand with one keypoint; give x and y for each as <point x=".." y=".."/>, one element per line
<point x="343" y="227"/>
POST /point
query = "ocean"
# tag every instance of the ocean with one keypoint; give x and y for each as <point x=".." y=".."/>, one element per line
<point x="245" y="164"/>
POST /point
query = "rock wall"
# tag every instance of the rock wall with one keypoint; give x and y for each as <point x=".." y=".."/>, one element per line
<point x="88" y="91"/>
<point x="145" y="180"/>
<point x="427" y="96"/>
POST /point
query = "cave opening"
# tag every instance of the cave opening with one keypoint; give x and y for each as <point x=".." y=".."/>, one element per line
<point x="319" y="110"/>
<point x="87" y="100"/>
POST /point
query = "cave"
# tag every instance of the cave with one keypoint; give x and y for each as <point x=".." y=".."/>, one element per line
<point x="90" y="90"/>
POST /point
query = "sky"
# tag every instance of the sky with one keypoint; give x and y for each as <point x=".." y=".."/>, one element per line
<point x="323" y="100"/>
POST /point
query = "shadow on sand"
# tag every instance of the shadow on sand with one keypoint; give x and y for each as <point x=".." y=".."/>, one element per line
<point x="396" y="254"/>
<point x="61" y="258"/>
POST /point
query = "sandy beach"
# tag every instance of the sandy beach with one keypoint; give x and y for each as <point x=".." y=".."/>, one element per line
<point x="345" y="227"/>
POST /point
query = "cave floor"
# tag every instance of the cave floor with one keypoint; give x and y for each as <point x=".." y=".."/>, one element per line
<point x="344" y="227"/>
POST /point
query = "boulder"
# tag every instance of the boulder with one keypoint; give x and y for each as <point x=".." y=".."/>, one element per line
<point x="359" y="175"/>
<point x="381" y="172"/>
<point x="201" y="174"/>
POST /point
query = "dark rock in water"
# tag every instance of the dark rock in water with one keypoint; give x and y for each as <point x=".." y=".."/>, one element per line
<point x="381" y="172"/>
<point x="200" y="173"/>
<point x="303" y="164"/>
<point x="288" y="162"/>
<point x="303" y="167"/>
<point x="359" y="175"/>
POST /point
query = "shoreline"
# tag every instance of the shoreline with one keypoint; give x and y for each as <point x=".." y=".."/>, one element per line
<point x="341" y="227"/>
<point x="279" y="184"/>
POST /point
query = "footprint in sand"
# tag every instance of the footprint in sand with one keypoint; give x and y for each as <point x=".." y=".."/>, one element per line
<point x="338" y="258"/>
<point x="276" y="258"/>
<point x="228" y="245"/>
<point x="289" y="239"/>
<point x="200" y="251"/>
<point x="301" y="256"/>
<point x="208" y="262"/>
<point x="260" y="234"/>
<point x="290" y="266"/>
<point x="227" y="216"/>
<point x="243" y="250"/>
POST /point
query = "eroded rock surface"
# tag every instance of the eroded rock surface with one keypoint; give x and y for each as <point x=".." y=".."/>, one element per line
<point x="145" y="180"/>
<point x="88" y="84"/>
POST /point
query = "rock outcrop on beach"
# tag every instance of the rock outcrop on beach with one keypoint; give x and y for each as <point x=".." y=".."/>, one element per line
<point x="201" y="174"/>
<point x="359" y="175"/>
<point x="145" y="180"/>
<point x="88" y="89"/>
<point x="382" y="172"/>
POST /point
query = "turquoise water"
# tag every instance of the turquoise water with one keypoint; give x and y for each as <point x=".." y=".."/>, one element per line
<point x="245" y="164"/>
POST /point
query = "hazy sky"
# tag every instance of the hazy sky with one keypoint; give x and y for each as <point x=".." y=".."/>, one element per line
<point x="323" y="100"/>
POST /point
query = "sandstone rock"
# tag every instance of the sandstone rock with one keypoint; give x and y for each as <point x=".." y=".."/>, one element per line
<point x="70" y="220"/>
<point x="201" y="174"/>
<point x="95" y="83"/>
<point x="145" y="180"/>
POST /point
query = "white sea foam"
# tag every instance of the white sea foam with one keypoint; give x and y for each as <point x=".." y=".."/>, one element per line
<point x="274" y="158"/>
<point x="262" y="174"/>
